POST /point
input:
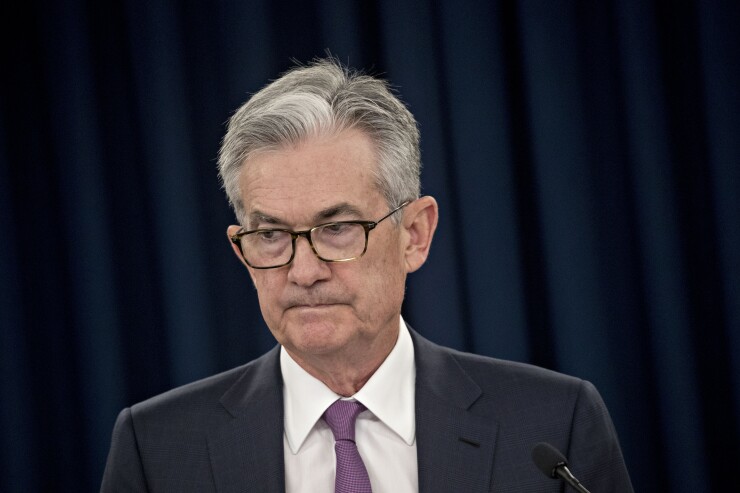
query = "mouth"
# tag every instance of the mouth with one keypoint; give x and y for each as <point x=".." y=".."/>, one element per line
<point x="317" y="306"/>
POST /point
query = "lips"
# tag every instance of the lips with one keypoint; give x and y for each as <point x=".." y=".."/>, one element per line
<point x="316" y="306"/>
<point x="300" y="302"/>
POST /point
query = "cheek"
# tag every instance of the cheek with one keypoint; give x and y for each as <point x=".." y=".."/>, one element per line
<point x="385" y="280"/>
<point x="268" y="292"/>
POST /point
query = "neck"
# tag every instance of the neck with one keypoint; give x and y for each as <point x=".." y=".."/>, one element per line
<point x="345" y="372"/>
<point x="344" y="380"/>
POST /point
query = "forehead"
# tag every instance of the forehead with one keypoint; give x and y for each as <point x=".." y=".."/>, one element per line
<point x="296" y="182"/>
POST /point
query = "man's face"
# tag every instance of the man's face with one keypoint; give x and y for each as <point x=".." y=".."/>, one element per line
<point x="315" y="308"/>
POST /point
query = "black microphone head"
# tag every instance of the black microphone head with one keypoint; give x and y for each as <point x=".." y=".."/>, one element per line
<point x="547" y="458"/>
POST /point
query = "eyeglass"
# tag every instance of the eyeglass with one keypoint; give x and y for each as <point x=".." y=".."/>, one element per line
<point x="339" y="241"/>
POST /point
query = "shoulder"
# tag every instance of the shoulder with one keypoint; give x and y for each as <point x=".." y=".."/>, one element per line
<point x="166" y="438"/>
<point x="196" y="393"/>
<point x="504" y="373"/>
<point x="524" y="404"/>
<point x="205" y="396"/>
<point x="502" y="387"/>
<point x="507" y="375"/>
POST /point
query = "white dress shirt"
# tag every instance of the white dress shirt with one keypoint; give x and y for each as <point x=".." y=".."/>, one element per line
<point x="385" y="433"/>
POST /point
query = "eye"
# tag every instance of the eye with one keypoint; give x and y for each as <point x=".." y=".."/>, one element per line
<point x="337" y="228"/>
<point x="269" y="235"/>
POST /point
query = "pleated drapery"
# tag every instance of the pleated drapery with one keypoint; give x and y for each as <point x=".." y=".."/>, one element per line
<point x="585" y="156"/>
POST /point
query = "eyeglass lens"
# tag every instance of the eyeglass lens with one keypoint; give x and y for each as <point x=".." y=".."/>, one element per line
<point x="334" y="241"/>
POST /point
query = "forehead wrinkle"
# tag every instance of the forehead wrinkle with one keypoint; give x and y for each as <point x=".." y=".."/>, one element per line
<point x="336" y="210"/>
<point x="342" y="208"/>
<point x="258" y="216"/>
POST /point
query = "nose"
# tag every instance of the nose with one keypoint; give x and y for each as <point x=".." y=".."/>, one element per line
<point x="306" y="268"/>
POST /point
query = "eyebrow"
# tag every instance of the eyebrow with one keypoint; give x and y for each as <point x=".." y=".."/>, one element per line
<point x="343" y="208"/>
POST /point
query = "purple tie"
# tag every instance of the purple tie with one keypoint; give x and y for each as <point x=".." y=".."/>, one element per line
<point x="351" y="473"/>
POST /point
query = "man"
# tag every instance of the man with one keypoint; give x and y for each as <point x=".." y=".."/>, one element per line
<point x="322" y="170"/>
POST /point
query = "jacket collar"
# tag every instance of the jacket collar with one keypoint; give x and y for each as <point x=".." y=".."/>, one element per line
<point x="247" y="452"/>
<point x="454" y="446"/>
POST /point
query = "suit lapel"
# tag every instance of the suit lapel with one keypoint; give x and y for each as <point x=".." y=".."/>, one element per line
<point x="454" y="446"/>
<point x="247" y="452"/>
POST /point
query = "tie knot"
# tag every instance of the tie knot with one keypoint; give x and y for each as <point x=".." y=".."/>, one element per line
<point x="341" y="417"/>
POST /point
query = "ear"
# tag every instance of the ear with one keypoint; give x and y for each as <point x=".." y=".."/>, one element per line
<point x="420" y="222"/>
<point x="231" y="231"/>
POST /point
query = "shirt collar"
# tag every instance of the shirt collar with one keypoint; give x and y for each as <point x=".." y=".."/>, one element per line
<point x="388" y="394"/>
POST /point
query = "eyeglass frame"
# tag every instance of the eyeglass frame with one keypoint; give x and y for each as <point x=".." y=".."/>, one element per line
<point x="306" y="233"/>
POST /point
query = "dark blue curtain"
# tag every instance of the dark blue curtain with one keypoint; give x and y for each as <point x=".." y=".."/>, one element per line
<point x="585" y="155"/>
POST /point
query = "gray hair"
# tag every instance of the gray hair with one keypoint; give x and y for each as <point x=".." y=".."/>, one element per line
<point x="323" y="99"/>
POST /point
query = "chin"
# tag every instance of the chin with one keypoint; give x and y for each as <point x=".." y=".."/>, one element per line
<point x="315" y="336"/>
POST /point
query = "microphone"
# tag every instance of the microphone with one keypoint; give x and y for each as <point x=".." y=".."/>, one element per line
<point x="551" y="462"/>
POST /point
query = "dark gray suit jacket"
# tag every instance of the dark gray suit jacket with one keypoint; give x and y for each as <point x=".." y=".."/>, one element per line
<point x="477" y="419"/>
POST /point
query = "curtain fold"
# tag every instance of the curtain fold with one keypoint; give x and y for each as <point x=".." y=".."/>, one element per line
<point x="585" y="156"/>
